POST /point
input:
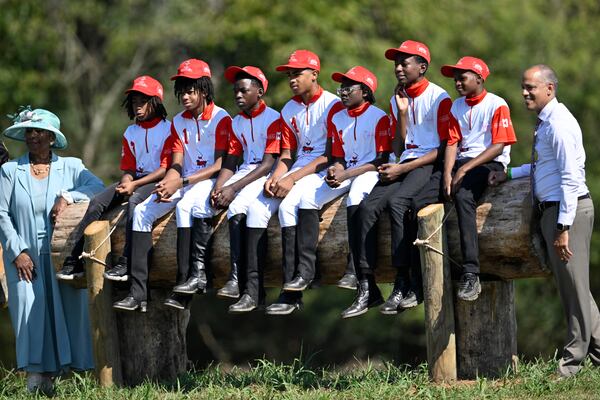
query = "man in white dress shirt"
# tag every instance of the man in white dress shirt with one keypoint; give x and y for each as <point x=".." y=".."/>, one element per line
<point x="565" y="210"/>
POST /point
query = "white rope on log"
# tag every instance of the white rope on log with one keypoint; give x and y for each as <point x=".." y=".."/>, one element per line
<point x="91" y="254"/>
<point x="425" y="242"/>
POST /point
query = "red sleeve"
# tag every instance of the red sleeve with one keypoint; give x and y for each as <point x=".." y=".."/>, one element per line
<point x="393" y="123"/>
<point x="502" y="127"/>
<point x="273" y="137"/>
<point x="288" y="137"/>
<point x="382" y="135"/>
<point x="443" y="118"/>
<point x="174" y="141"/>
<point x="166" y="155"/>
<point x="454" y="134"/>
<point x="236" y="148"/>
<point x="337" y="144"/>
<point x="335" y="108"/>
<point x="127" y="158"/>
<point x="223" y="133"/>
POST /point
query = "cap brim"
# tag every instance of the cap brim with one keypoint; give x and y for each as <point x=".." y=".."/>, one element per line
<point x="390" y="54"/>
<point x="147" y="92"/>
<point x="189" y="76"/>
<point x="339" y="77"/>
<point x="448" y="70"/>
<point x="17" y="132"/>
<point x="231" y="72"/>
<point x="286" y="67"/>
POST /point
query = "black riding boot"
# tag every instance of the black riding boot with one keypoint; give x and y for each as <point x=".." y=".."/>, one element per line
<point x="307" y="239"/>
<point x="197" y="281"/>
<point x="237" y="275"/>
<point x="368" y="296"/>
<point x="141" y="250"/>
<point x="254" y="294"/>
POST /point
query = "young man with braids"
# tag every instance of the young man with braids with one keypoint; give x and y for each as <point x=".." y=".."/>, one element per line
<point x="143" y="162"/>
<point x="424" y="107"/>
<point x="199" y="139"/>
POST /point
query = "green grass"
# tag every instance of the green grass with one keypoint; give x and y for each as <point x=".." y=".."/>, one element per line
<point x="266" y="380"/>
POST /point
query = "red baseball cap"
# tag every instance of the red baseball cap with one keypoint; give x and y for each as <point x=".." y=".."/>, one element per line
<point x="301" y="59"/>
<point x="193" y="69"/>
<point x="358" y="74"/>
<point x="231" y="72"/>
<point x="147" y="85"/>
<point x="468" y="64"/>
<point x="409" y="47"/>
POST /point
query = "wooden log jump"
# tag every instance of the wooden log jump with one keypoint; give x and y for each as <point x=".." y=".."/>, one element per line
<point x="510" y="247"/>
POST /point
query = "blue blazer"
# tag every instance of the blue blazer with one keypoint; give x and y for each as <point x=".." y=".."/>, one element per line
<point x="18" y="232"/>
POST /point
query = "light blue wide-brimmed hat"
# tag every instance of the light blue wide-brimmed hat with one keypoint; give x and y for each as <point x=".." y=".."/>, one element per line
<point x="38" y="118"/>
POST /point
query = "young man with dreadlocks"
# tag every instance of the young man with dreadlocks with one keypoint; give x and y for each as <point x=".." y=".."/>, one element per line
<point x="360" y="136"/>
<point x="143" y="162"/>
<point x="256" y="135"/>
<point x="199" y="137"/>
<point x="424" y="106"/>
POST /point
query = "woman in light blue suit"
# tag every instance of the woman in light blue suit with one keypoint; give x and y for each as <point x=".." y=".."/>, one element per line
<point x="50" y="319"/>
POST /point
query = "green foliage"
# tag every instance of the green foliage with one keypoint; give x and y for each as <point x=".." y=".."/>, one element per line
<point x="295" y="381"/>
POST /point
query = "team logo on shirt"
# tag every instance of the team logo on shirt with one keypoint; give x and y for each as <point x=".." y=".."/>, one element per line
<point x="200" y="161"/>
<point x="353" y="161"/>
<point x="139" y="170"/>
<point x="307" y="148"/>
<point x="255" y="160"/>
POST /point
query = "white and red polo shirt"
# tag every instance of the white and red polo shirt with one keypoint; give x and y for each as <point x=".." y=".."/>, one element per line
<point x="304" y="126"/>
<point x="143" y="149"/>
<point x="477" y="123"/>
<point x="427" y="118"/>
<point x="359" y="134"/>
<point x="199" y="138"/>
<point x="255" y="134"/>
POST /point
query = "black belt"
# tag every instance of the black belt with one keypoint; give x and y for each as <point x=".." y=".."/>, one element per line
<point x="547" y="204"/>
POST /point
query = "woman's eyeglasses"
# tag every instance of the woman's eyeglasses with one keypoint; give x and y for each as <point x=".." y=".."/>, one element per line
<point x="345" y="91"/>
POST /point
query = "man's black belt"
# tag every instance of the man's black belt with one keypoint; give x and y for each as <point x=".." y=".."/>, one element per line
<point x="547" y="204"/>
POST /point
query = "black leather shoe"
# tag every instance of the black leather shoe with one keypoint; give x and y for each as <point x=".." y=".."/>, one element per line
<point x="72" y="268"/>
<point x="131" y="304"/>
<point x="195" y="284"/>
<point x="348" y="281"/>
<point x="410" y="300"/>
<point x="231" y="290"/>
<point x="469" y="287"/>
<point x="298" y="284"/>
<point x="287" y="303"/>
<point x="178" y="301"/>
<point x="245" y="304"/>
<point x="392" y="305"/>
<point x="368" y="296"/>
<point x="118" y="272"/>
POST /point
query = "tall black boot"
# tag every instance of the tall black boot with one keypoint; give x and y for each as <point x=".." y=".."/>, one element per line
<point x="349" y="280"/>
<point x="254" y="294"/>
<point x="237" y="275"/>
<point x="197" y="280"/>
<point x="184" y="240"/>
<point x="307" y="239"/>
<point x="368" y="296"/>
<point x="141" y="250"/>
<point x="287" y="302"/>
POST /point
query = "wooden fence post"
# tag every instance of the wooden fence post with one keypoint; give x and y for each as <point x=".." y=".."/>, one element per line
<point x="438" y="298"/>
<point x="102" y="316"/>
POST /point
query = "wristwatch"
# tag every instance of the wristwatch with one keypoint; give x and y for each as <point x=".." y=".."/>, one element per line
<point x="562" y="228"/>
<point x="185" y="181"/>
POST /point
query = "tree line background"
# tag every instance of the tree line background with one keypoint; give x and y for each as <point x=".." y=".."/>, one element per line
<point x="77" y="57"/>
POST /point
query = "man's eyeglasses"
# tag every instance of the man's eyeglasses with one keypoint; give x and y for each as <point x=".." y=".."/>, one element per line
<point x="345" y="91"/>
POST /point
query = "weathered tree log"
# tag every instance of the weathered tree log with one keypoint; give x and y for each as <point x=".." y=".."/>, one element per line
<point x="510" y="242"/>
<point x="486" y="331"/>
<point x="507" y="242"/>
<point x="437" y="293"/>
<point x="153" y="344"/>
<point x="102" y="315"/>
